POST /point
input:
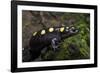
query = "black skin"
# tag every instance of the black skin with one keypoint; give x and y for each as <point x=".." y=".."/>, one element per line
<point x="39" y="42"/>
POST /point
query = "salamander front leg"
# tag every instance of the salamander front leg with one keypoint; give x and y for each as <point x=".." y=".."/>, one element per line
<point x="55" y="44"/>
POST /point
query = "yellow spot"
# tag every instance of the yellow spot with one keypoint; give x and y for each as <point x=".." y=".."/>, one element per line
<point x="34" y="33"/>
<point x="73" y="27"/>
<point x="51" y="29"/>
<point x="43" y="32"/>
<point x="62" y="29"/>
<point x="67" y="27"/>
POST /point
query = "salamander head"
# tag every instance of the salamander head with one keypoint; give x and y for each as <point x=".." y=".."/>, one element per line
<point x="68" y="31"/>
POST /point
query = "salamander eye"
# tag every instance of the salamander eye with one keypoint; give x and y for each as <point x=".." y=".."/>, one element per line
<point x="73" y="29"/>
<point x="43" y="32"/>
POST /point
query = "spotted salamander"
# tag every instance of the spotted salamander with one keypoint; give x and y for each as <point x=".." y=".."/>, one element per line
<point x="49" y="37"/>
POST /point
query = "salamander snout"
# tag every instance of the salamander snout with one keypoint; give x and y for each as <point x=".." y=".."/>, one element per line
<point x="73" y="30"/>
